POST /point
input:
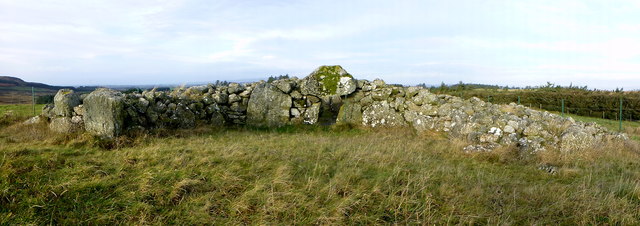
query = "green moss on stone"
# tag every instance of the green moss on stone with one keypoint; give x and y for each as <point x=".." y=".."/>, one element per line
<point x="329" y="76"/>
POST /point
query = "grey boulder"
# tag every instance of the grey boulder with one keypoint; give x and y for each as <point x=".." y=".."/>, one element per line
<point x="104" y="113"/>
<point x="268" y="106"/>
<point x="64" y="102"/>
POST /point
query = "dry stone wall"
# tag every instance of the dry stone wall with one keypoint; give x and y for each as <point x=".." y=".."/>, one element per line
<point x="328" y="95"/>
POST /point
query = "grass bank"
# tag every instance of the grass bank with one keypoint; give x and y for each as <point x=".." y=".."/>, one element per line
<point x="306" y="175"/>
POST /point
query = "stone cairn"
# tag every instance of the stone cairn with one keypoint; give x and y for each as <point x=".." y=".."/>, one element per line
<point x="329" y="95"/>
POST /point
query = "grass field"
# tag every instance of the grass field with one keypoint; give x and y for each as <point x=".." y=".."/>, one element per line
<point x="17" y="112"/>
<point x="21" y="95"/>
<point x="21" y="110"/>
<point x="306" y="175"/>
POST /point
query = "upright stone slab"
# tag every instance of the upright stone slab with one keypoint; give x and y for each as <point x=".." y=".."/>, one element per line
<point x="64" y="102"/>
<point x="268" y="106"/>
<point x="350" y="114"/>
<point x="104" y="113"/>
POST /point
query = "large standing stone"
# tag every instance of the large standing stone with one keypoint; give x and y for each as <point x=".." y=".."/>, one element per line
<point x="64" y="102"/>
<point x="268" y="106"/>
<point x="104" y="113"/>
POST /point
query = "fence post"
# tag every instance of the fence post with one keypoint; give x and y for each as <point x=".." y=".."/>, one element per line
<point x="33" y="100"/>
<point x="620" y="127"/>
<point x="562" y="107"/>
<point x="518" y="100"/>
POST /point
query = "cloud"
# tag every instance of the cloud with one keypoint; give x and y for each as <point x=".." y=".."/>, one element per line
<point x="404" y="41"/>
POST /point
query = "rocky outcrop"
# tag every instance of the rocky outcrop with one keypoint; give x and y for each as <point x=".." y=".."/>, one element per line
<point x="104" y="113"/>
<point x="328" y="95"/>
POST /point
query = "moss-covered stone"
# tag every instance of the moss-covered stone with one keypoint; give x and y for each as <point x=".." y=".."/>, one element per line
<point x="326" y="80"/>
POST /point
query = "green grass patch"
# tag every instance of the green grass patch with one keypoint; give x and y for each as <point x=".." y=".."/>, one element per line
<point x="305" y="175"/>
<point x="10" y="114"/>
<point x="21" y="110"/>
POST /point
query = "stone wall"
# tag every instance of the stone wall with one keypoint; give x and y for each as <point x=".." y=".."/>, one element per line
<point x="328" y="95"/>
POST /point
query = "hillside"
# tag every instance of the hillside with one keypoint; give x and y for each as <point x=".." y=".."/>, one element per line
<point x="17" y="91"/>
<point x="8" y="81"/>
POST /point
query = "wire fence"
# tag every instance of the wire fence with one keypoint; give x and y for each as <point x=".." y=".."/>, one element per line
<point x="621" y="113"/>
<point x="29" y="99"/>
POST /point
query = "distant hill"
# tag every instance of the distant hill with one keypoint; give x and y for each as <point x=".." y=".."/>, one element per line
<point x="8" y="81"/>
<point x="17" y="91"/>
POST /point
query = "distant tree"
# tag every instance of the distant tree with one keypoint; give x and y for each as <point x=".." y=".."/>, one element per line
<point x="133" y="90"/>
<point x="221" y="83"/>
<point x="443" y="87"/>
<point x="46" y="99"/>
<point x="273" y="78"/>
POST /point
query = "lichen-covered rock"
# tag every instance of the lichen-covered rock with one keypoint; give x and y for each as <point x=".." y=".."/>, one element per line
<point x="64" y="102"/>
<point x="47" y="111"/>
<point x="183" y="117"/>
<point x="346" y="86"/>
<point x="284" y="85"/>
<point x="419" y="121"/>
<point x="235" y="88"/>
<point x="381" y="94"/>
<point x="104" y="113"/>
<point x="64" y="125"/>
<point x="311" y="115"/>
<point x="234" y="98"/>
<point x="380" y="114"/>
<point x="79" y="110"/>
<point x="576" y="139"/>
<point x="350" y="114"/>
<point x="220" y="98"/>
<point x="328" y="80"/>
<point x="268" y="106"/>
<point x="34" y="120"/>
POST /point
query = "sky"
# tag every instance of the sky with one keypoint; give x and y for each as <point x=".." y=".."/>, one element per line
<point x="516" y="43"/>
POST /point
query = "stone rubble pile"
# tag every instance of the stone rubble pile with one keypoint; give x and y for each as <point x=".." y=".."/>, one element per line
<point x="328" y="95"/>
